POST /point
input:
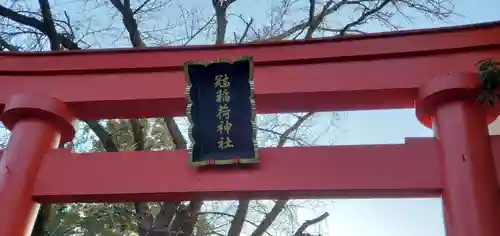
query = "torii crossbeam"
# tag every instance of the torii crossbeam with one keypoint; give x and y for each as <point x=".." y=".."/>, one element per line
<point x="433" y="70"/>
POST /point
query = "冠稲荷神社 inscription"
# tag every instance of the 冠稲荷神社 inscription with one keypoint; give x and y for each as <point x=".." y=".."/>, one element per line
<point x="221" y="111"/>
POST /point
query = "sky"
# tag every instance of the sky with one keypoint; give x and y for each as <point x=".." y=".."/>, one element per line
<point x="385" y="217"/>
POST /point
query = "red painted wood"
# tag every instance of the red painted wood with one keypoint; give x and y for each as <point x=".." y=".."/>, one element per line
<point x="73" y="162"/>
<point x="34" y="133"/>
<point x="354" y="73"/>
<point x="471" y="197"/>
<point x="308" y="172"/>
<point x="373" y="45"/>
<point x="18" y="169"/>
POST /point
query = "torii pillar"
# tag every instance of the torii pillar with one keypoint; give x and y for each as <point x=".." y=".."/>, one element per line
<point x="471" y="197"/>
<point x="38" y="124"/>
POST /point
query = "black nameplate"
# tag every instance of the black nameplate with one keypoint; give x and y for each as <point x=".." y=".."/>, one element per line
<point x="221" y="112"/>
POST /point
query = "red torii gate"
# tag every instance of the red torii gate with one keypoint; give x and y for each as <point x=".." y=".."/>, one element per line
<point x="376" y="71"/>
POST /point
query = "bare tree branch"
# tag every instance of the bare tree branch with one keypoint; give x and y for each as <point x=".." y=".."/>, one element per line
<point x="327" y="10"/>
<point x="269" y="218"/>
<point x="35" y="23"/>
<point x="315" y="21"/>
<point x="220" y="7"/>
<point x="130" y="23"/>
<point x="312" y="7"/>
<point x="174" y="131"/>
<point x="69" y="25"/>
<point x="230" y="215"/>
<point x="201" y="29"/>
<point x="41" y="220"/>
<point x="52" y="34"/>
<point x="6" y="45"/>
<point x="239" y="218"/>
<point x="22" y="19"/>
<point x="104" y="136"/>
<point x="278" y="134"/>
<point x="367" y="12"/>
<point x="308" y="223"/>
<point x="245" y="32"/>
<point x="337" y="31"/>
<point x="137" y="134"/>
<point x="141" y="6"/>
<point x="166" y="215"/>
<point x="293" y="128"/>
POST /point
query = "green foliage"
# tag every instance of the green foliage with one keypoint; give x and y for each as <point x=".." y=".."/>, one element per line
<point x="489" y="75"/>
<point x="91" y="220"/>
